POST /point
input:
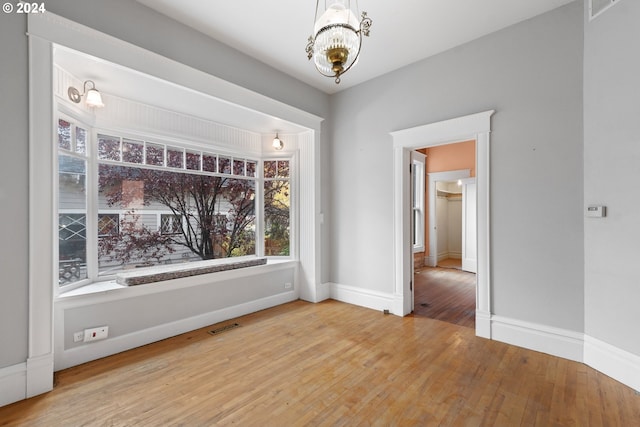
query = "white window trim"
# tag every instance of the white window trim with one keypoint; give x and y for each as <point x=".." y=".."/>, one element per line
<point x="66" y="112"/>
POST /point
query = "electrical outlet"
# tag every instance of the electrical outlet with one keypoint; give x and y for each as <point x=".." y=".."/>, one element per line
<point x="287" y="285"/>
<point x="95" y="334"/>
<point x="78" y="336"/>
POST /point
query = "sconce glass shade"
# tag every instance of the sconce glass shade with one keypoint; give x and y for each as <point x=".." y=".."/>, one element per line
<point x="277" y="143"/>
<point x="337" y="38"/>
<point x="94" y="99"/>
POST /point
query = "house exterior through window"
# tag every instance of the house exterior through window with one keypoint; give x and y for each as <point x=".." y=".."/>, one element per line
<point x="126" y="202"/>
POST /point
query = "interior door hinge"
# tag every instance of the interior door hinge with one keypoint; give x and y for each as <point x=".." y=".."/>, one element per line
<point x="410" y="285"/>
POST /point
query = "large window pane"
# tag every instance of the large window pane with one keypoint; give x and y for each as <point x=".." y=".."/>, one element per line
<point x="72" y="224"/>
<point x="205" y="217"/>
<point x="277" y="204"/>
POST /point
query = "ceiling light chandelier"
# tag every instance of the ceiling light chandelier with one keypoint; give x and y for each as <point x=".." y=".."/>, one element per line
<point x="337" y="38"/>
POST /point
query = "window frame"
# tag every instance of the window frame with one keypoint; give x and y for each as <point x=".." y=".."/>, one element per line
<point x="418" y="176"/>
<point x="93" y="209"/>
<point x="292" y="194"/>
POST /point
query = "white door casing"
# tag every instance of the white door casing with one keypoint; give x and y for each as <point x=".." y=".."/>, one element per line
<point x="469" y="225"/>
<point x="475" y="126"/>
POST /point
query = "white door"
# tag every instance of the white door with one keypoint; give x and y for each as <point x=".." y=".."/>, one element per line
<point x="469" y="232"/>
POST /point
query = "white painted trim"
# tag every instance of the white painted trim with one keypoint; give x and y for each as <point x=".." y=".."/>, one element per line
<point x="41" y="218"/>
<point x="613" y="361"/>
<point x="547" y="339"/>
<point x="474" y="126"/>
<point x="39" y="377"/>
<point x="593" y="16"/>
<point x="13" y="381"/>
<point x="99" y="349"/>
<point x="368" y="298"/>
<point x="483" y="324"/>
<point x="323" y="291"/>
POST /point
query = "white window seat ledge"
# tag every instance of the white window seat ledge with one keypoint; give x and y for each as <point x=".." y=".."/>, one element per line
<point x="165" y="278"/>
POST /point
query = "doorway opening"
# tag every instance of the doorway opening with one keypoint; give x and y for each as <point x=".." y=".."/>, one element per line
<point x="442" y="290"/>
<point x="472" y="127"/>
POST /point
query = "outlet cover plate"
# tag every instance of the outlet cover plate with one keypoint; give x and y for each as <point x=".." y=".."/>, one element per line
<point x="95" y="334"/>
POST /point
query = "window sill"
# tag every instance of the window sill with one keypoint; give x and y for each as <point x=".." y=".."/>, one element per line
<point x="118" y="291"/>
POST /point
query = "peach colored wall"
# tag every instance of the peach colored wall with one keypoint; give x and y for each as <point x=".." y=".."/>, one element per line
<point x="450" y="157"/>
<point x="461" y="155"/>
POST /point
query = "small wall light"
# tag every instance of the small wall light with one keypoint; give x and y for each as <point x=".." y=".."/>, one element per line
<point x="93" y="97"/>
<point x="277" y="143"/>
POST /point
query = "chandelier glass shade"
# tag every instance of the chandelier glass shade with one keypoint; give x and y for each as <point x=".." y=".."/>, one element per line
<point x="337" y="39"/>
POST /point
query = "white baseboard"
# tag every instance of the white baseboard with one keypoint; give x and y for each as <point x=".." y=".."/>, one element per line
<point x="99" y="349"/>
<point x="429" y="261"/>
<point x="27" y="379"/>
<point x="555" y="341"/>
<point x="13" y="380"/>
<point x="613" y="361"/>
<point x="365" y="298"/>
<point x="323" y="292"/>
<point x="483" y="324"/>
<point x="39" y="374"/>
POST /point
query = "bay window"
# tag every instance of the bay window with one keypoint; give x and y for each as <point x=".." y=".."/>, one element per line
<point x="128" y="202"/>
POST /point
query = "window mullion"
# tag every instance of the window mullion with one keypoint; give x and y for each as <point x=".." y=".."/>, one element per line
<point x="259" y="209"/>
<point x="92" y="207"/>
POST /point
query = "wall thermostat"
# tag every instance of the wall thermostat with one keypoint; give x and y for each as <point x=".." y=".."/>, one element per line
<point x="596" y="211"/>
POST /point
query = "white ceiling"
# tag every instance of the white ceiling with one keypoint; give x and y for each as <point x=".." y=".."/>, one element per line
<point x="276" y="32"/>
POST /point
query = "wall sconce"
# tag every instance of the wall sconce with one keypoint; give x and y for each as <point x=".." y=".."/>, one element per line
<point x="277" y="143"/>
<point x="93" y="97"/>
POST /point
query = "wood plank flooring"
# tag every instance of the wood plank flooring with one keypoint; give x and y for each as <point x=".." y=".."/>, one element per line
<point x="330" y="364"/>
<point x="446" y="294"/>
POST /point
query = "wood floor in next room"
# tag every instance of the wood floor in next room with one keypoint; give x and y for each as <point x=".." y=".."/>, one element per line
<point x="329" y="364"/>
<point x="445" y="293"/>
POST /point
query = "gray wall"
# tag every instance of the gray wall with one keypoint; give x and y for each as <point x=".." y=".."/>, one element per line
<point x="611" y="175"/>
<point x="14" y="189"/>
<point x="531" y="74"/>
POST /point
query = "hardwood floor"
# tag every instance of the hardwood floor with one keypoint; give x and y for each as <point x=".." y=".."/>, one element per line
<point x="330" y="364"/>
<point x="446" y="294"/>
